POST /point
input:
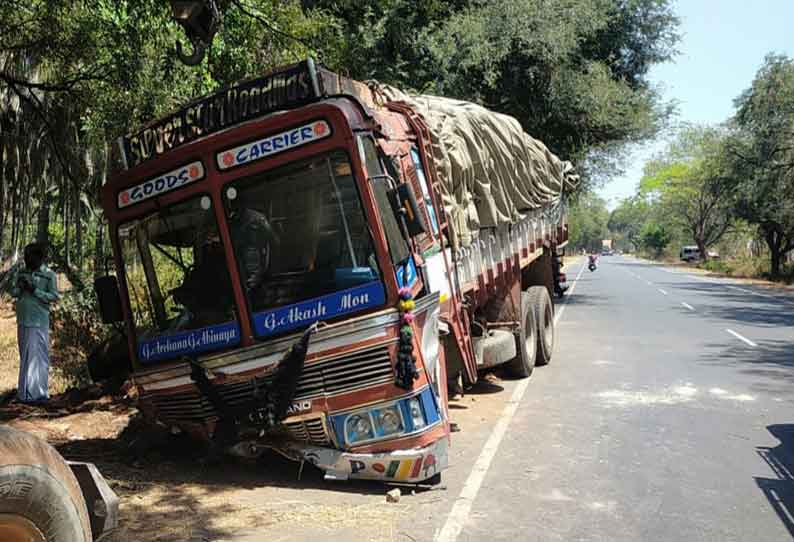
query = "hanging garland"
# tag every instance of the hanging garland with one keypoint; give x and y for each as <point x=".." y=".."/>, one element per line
<point x="406" y="371"/>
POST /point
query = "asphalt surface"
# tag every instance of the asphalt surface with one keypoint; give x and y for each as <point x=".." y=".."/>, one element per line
<point x="667" y="413"/>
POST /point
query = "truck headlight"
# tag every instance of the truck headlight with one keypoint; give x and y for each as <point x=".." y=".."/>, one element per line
<point x="358" y="427"/>
<point x="406" y="416"/>
<point x="388" y="421"/>
<point x="417" y="413"/>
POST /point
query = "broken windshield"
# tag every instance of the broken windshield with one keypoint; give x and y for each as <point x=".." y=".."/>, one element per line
<point x="178" y="283"/>
<point x="302" y="243"/>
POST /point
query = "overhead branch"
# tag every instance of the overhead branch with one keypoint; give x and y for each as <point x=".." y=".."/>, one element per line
<point x="267" y="24"/>
<point x="37" y="107"/>
<point x="66" y="85"/>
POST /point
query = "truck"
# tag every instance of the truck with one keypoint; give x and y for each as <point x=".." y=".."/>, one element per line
<point x="304" y="263"/>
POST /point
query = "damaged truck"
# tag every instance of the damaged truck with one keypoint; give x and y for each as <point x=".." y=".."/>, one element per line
<point x="303" y="262"/>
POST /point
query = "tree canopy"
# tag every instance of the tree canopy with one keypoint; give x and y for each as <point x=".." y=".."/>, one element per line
<point x="76" y="75"/>
<point x="762" y="156"/>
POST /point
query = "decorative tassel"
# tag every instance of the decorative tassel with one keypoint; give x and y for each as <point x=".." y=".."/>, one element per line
<point x="405" y="370"/>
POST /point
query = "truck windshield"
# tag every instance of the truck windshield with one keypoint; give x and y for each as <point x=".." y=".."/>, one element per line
<point x="302" y="243"/>
<point x="178" y="284"/>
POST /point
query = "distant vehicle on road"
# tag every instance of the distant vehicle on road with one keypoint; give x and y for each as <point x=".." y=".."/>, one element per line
<point x="690" y="253"/>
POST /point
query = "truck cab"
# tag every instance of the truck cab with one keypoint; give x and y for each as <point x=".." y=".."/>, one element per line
<point x="233" y="234"/>
<point x="289" y="277"/>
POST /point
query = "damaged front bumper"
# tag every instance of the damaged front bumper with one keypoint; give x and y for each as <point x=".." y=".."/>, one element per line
<point x="413" y="466"/>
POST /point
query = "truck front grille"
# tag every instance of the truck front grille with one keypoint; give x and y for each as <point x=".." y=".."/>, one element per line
<point x="331" y="376"/>
<point x="311" y="430"/>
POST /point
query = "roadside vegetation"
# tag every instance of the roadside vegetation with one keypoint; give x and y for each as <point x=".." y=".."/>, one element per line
<point x="727" y="190"/>
<point x="75" y="76"/>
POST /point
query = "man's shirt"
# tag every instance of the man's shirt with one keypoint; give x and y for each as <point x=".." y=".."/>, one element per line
<point x="33" y="309"/>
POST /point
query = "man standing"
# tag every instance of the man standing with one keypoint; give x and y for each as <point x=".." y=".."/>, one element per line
<point x="35" y="289"/>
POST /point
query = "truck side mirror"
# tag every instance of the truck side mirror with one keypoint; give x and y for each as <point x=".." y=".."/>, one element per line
<point x="404" y="205"/>
<point x="107" y="293"/>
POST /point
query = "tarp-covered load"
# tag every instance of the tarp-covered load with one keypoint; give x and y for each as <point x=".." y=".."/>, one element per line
<point x="491" y="171"/>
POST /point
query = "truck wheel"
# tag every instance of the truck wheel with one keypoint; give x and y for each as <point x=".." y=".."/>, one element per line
<point x="40" y="499"/>
<point x="526" y="342"/>
<point x="544" y="319"/>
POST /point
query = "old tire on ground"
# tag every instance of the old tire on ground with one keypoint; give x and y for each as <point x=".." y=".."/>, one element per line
<point x="526" y="342"/>
<point x="40" y="499"/>
<point x="543" y="310"/>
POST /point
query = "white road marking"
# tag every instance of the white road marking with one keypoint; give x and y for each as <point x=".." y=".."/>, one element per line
<point x="687" y="305"/>
<point x="742" y="397"/>
<point x="649" y="283"/>
<point x="746" y="291"/>
<point x="460" y="511"/>
<point x="663" y="292"/>
<point x="743" y="339"/>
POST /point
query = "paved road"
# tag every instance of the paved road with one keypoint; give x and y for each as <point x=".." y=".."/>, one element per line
<point x="666" y="414"/>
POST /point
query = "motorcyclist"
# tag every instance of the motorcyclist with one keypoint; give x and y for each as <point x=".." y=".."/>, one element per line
<point x="592" y="261"/>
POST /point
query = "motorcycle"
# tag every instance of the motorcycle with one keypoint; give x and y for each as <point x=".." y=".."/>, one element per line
<point x="592" y="264"/>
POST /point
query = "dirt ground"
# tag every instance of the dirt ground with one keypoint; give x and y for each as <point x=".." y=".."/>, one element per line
<point x="171" y="492"/>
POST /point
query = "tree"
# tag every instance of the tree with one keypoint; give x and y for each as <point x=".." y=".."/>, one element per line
<point x="690" y="182"/>
<point x="74" y="76"/>
<point x="587" y="221"/>
<point x="762" y="156"/>
<point x="573" y="72"/>
<point x="656" y="237"/>
<point x="628" y="219"/>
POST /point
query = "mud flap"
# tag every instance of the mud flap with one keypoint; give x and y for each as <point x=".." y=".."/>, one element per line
<point x="102" y="503"/>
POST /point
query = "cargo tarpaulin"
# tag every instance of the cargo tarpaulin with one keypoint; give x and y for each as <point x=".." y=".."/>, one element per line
<point x="491" y="172"/>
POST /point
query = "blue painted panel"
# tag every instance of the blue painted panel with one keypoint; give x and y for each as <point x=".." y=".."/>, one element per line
<point x="305" y="313"/>
<point x="189" y="342"/>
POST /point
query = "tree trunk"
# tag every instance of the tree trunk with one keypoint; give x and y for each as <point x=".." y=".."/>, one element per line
<point x="773" y="242"/>
<point x="701" y="243"/>
<point x="78" y="231"/>
<point x="99" y="249"/>
<point x="66" y="223"/>
<point x="43" y="221"/>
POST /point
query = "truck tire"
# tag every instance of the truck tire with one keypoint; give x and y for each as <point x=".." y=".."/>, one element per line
<point x="526" y="342"/>
<point x="543" y="311"/>
<point x="40" y="499"/>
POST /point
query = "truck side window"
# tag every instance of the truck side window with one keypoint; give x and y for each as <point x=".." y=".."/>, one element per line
<point x="398" y="246"/>
<point x="420" y="173"/>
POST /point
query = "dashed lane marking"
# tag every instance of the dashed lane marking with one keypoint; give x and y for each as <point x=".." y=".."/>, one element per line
<point x="663" y="291"/>
<point x="688" y="306"/>
<point x="460" y="511"/>
<point x="743" y="339"/>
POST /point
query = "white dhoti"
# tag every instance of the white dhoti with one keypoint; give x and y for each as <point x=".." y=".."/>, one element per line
<point x="34" y="365"/>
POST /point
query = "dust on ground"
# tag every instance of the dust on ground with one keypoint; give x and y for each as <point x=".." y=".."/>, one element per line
<point x="169" y="491"/>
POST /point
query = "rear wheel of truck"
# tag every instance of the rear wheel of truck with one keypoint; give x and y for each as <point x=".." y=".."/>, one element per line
<point x="40" y="499"/>
<point x="543" y="311"/>
<point x="526" y="342"/>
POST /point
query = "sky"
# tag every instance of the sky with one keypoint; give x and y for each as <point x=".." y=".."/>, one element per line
<point x="723" y="45"/>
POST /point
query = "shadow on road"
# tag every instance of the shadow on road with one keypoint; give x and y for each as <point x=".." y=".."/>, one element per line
<point x="780" y="491"/>
<point x="171" y="492"/>
<point x="771" y="363"/>
<point x="734" y="305"/>
<point x="581" y="299"/>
